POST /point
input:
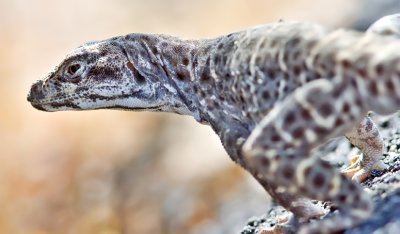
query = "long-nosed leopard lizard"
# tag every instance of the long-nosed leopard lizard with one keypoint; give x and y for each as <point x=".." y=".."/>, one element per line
<point x="272" y="93"/>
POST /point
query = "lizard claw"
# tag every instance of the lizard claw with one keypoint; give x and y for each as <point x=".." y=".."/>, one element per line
<point x="359" y="173"/>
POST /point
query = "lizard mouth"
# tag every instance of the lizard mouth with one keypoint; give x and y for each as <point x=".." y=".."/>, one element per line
<point x="67" y="104"/>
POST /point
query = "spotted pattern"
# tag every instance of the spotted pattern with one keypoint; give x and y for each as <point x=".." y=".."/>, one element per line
<point x="271" y="93"/>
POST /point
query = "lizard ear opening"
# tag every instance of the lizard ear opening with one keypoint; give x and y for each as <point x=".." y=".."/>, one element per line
<point x="140" y="79"/>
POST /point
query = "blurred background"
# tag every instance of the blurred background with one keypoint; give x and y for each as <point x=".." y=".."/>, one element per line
<point x="112" y="172"/>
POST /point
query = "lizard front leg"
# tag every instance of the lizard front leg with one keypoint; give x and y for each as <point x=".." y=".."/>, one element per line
<point x="303" y="209"/>
<point x="366" y="135"/>
<point x="367" y="138"/>
<point x="278" y="151"/>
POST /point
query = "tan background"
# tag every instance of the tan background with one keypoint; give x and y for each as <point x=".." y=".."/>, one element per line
<point x="121" y="172"/>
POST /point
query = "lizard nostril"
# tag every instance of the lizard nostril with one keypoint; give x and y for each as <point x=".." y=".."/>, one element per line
<point x="36" y="91"/>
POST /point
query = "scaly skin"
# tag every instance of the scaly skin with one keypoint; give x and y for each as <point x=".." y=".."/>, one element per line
<point x="271" y="93"/>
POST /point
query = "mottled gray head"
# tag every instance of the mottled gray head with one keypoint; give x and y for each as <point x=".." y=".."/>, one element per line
<point x="103" y="75"/>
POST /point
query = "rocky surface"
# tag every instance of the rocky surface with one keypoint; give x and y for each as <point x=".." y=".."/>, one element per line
<point x="384" y="186"/>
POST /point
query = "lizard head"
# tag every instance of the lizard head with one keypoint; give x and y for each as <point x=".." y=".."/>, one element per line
<point x="103" y="75"/>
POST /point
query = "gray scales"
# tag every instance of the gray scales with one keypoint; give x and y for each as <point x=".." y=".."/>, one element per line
<point x="272" y="94"/>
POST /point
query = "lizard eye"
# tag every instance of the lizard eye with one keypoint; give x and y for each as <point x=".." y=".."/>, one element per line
<point x="73" y="72"/>
<point x="72" y="69"/>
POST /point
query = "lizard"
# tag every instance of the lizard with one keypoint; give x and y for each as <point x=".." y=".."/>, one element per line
<point x="272" y="93"/>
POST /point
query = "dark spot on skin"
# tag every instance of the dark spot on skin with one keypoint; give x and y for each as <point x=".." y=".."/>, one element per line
<point x="241" y="99"/>
<point x="290" y="118"/>
<point x="285" y="89"/>
<point x="181" y="76"/>
<point x="164" y="44"/>
<point x="154" y="50"/>
<point x="319" y="180"/>
<point x="264" y="161"/>
<point x="358" y="101"/>
<point x="275" y="138"/>
<point x="321" y="130"/>
<point x="373" y="88"/>
<point x="294" y="42"/>
<point x="276" y="59"/>
<point x="288" y="172"/>
<point x="288" y="146"/>
<point x="177" y="49"/>
<point x="379" y="70"/>
<point x="131" y="67"/>
<point x="362" y="72"/>
<point x="273" y="43"/>
<point x="307" y="171"/>
<point x="202" y="93"/>
<point x="342" y="198"/>
<point x="346" y="64"/>
<point x="375" y="132"/>
<point x="265" y="94"/>
<point x="325" y="165"/>
<point x="353" y="83"/>
<point x="217" y="60"/>
<point x="271" y="73"/>
<point x="390" y="86"/>
<point x="285" y="56"/>
<point x="205" y="78"/>
<point x="305" y="114"/>
<point x="264" y="145"/>
<point x="297" y="71"/>
<point x="311" y="44"/>
<point x="185" y="61"/>
<point x="145" y="37"/>
<point x="326" y="110"/>
<point x="296" y="55"/>
<point x="298" y="132"/>
<point x="286" y="76"/>
<point x="323" y="67"/>
<point x="346" y="107"/>
<point x="136" y="74"/>
<point x="352" y="187"/>
<point x="368" y="126"/>
<point x="227" y="75"/>
<point x="338" y="122"/>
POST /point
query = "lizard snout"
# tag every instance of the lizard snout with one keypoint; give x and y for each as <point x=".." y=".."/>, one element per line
<point x="36" y="92"/>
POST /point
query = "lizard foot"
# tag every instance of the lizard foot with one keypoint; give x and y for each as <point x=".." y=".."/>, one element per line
<point x="359" y="173"/>
<point x="287" y="224"/>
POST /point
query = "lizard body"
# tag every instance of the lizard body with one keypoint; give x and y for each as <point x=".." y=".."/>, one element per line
<point x="272" y="93"/>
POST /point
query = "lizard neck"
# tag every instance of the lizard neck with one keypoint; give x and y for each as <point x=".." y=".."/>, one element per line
<point x="167" y="62"/>
<point x="175" y="65"/>
<point x="191" y="75"/>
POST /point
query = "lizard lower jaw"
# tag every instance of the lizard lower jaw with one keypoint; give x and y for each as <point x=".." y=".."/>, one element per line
<point x="38" y="106"/>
